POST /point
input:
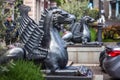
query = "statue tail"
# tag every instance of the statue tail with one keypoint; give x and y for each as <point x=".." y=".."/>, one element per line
<point x="12" y="54"/>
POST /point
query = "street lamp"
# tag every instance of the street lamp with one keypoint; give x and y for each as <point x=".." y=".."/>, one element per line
<point x="101" y="20"/>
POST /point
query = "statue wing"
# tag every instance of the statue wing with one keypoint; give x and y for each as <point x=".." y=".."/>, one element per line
<point x="31" y="35"/>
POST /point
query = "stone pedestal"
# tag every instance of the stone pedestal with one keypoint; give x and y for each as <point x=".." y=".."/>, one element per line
<point x="85" y="55"/>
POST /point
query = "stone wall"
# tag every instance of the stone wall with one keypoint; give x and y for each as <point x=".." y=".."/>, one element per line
<point x="37" y="6"/>
<point x="32" y="4"/>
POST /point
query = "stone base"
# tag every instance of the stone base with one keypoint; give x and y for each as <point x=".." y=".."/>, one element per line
<point x="84" y="55"/>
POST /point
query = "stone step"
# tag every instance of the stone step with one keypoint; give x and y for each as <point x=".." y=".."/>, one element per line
<point x="98" y="74"/>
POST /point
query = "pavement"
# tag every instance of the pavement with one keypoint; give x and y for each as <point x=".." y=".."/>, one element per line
<point x="98" y="74"/>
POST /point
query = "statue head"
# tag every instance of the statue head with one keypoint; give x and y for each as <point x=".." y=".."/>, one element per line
<point x="62" y="17"/>
<point x="88" y="19"/>
<point x="24" y="9"/>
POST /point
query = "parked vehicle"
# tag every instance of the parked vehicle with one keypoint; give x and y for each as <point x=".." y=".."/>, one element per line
<point x="110" y="60"/>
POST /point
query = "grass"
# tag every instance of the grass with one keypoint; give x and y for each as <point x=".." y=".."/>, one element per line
<point x="93" y="34"/>
<point x="22" y="70"/>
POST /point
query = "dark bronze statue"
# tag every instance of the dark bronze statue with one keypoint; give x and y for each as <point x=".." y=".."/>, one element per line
<point x="42" y="42"/>
<point x="80" y="31"/>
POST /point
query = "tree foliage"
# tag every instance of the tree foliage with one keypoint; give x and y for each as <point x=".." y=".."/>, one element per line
<point x="79" y="8"/>
<point x="76" y="7"/>
<point x="16" y="5"/>
<point x="3" y="14"/>
<point x="59" y="2"/>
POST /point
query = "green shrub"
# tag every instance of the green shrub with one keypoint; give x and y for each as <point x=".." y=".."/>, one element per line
<point x="94" y="13"/>
<point x="59" y="2"/>
<point x="80" y="8"/>
<point x="75" y="7"/>
<point x="4" y="14"/>
<point x="22" y="70"/>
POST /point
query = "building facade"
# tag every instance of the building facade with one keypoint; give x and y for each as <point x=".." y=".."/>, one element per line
<point x="37" y="7"/>
<point x="111" y="8"/>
